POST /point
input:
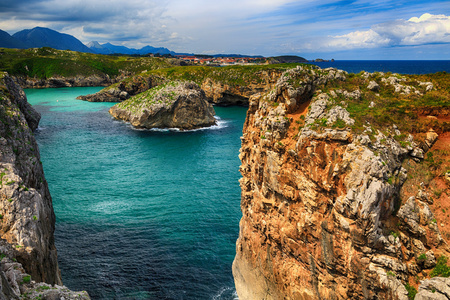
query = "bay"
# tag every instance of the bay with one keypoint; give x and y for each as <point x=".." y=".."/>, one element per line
<point x="150" y="214"/>
<point x="140" y="214"/>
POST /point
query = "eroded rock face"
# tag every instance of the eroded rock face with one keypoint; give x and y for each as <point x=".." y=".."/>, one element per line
<point x="216" y="91"/>
<point x="124" y="90"/>
<point x="28" y="254"/>
<point x="179" y="105"/>
<point x="28" y="220"/>
<point x="320" y="208"/>
<point x="57" y="82"/>
<point x="222" y="94"/>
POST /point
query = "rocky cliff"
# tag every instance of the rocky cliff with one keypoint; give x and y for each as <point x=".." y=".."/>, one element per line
<point x="181" y="105"/>
<point x="325" y="214"/>
<point x="222" y="86"/>
<point x="26" y="211"/>
<point x="70" y="81"/>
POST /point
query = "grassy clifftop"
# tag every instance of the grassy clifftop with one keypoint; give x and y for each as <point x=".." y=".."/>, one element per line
<point x="47" y="62"/>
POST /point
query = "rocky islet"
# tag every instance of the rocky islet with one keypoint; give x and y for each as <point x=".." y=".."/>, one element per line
<point x="180" y="105"/>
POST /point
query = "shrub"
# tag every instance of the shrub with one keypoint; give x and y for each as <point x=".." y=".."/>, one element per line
<point x="26" y="279"/>
<point x="441" y="269"/>
<point x="422" y="256"/>
<point x="411" y="291"/>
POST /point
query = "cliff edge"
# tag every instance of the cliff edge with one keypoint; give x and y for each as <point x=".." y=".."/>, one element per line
<point x="326" y="157"/>
<point x="26" y="211"/>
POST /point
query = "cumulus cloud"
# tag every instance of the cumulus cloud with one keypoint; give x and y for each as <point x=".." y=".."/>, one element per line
<point x="423" y="30"/>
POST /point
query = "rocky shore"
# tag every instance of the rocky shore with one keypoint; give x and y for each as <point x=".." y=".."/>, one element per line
<point x="28" y="254"/>
<point x="218" y="92"/>
<point x="180" y="105"/>
<point x="58" y="82"/>
<point x="324" y="215"/>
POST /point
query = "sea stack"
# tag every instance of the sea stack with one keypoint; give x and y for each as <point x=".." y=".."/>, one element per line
<point x="181" y="105"/>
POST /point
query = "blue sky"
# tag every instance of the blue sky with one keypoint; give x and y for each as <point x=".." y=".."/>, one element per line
<point x="361" y="29"/>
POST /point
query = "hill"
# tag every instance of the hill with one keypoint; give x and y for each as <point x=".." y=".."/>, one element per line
<point x="43" y="37"/>
<point x="47" y="67"/>
<point x="7" y="41"/>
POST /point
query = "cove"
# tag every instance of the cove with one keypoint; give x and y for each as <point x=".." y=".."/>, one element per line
<point x="140" y="214"/>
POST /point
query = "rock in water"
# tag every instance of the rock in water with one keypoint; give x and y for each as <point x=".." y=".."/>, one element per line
<point x="181" y="105"/>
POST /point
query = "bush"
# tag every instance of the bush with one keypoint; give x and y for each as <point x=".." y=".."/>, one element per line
<point x="441" y="269"/>
<point x="411" y="291"/>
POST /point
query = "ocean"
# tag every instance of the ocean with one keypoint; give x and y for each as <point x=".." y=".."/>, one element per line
<point x="148" y="214"/>
<point x="393" y="66"/>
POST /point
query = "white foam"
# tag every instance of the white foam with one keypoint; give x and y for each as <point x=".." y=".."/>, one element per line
<point x="225" y="292"/>
<point x="220" y="124"/>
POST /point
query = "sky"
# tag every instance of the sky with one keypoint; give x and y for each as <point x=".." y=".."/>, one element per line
<point x="356" y="30"/>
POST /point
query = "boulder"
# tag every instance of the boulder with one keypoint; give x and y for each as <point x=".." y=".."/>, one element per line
<point x="181" y="105"/>
<point x="434" y="289"/>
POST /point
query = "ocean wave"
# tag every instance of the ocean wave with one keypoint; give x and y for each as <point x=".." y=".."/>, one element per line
<point x="226" y="293"/>
<point x="220" y="124"/>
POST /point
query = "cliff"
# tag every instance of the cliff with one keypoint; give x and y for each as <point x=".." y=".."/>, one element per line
<point x="326" y="159"/>
<point x="223" y="86"/>
<point x="27" y="217"/>
<point x="179" y="105"/>
<point x="69" y="81"/>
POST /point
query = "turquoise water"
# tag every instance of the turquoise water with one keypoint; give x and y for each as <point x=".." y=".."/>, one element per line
<point x="140" y="214"/>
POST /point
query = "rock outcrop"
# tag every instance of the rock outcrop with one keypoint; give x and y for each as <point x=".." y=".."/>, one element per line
<point x="224" y="94"/>
<point x="26" y="211"/>
<point x="322" y="213"/>
<point x="57" y="82"/>
<point x="217" y="91"/>
<point x="180" y="105"/>
<point x="124" y="89"/>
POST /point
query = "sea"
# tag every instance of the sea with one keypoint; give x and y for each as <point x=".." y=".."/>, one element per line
<point x="149" y="214"/>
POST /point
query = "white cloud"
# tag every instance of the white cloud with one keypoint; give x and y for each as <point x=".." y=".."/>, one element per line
<point x="427" y="29"/>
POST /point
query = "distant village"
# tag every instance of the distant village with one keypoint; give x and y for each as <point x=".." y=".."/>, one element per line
<point x="230" y="60"/>
<point x="201" y="60"/>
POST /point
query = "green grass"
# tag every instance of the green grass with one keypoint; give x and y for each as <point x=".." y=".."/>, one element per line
<point x="230" y="75"/>
<point x="46" y="62"/>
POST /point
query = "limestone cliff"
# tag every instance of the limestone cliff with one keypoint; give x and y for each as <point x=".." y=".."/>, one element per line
<point x="26" y="211"/>
<point x="224" y="89"/>
<point x="179" y="105"/>
<point x="324" y="216"/>
<point x="124" y="89"/>
<point x="70" y="81"/>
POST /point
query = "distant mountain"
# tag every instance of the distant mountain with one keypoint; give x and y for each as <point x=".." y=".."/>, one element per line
<point x="7" y="41"/>
<point x="288" y="59"/>
<point x="97" y="48"/>
<point x="113" y="49"/>
<point x="43" y="37"/>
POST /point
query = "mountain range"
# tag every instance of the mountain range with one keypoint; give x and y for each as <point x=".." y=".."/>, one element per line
<point x="44" y="37"/>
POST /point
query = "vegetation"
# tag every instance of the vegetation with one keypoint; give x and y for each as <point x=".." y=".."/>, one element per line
<point x="441" y="269"/>
<point x="390" y="107"/>
<point x="26" y="279"/>
<point x="412" y="291"/>
<point x="230" y="75"/>
<point x="47" y="62"/>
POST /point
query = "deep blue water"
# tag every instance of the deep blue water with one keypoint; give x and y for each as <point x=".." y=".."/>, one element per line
<point x="140" y="214"/>
<point x="394" y="66"/>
